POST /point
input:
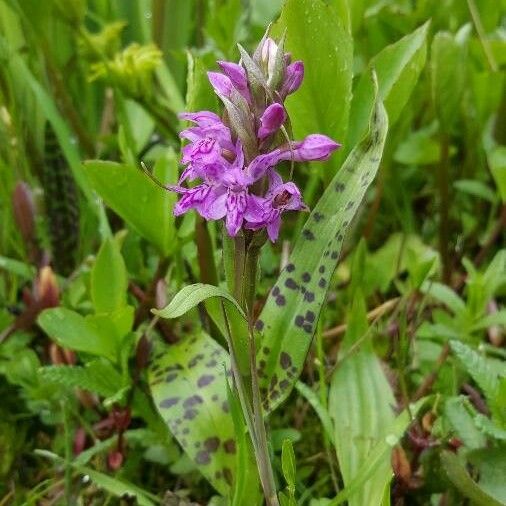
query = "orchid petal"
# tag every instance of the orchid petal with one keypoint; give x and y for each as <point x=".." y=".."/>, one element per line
<point x="272" y="119"/>
<point x="222" y="84"/>
<point x="294" y="74"/>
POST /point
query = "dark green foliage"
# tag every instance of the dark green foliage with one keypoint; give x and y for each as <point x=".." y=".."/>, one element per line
<point x="379" y="316"/>
<point x="61" y="203"/>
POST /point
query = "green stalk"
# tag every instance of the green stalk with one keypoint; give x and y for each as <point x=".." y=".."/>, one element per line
<point x="261" y="447"/>
<point x="239" y="259"/>
<point x="68" y="451"/>
<point x="444" y="204"/>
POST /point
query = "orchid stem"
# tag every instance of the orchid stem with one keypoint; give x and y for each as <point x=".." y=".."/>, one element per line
<point x="245" y="274"/>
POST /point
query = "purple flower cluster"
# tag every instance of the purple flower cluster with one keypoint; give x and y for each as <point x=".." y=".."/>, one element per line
<point x="235" y="157"/>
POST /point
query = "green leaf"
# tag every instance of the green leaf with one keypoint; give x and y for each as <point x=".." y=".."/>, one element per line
<point x="61" y="129"/>
<point x="448" y="78"/>
<point x="114" y="325"/>
<point x="320" y="410"/>
<point x="199" y="94"/>
<point x="458" y="475"/>
<point x="246" y="483"/>
<point x="489" y="428"/>
<point x="234" y="323"/>
<point x="71" y="330"/>
<point x="398" y="67"/>
<point x="491" y="464"/>
<point x="97" y="376"/>
<point x="477" y="368"/>
<point x="289" y="317"/>
<point x="497" y="162"/>
<point x="316" y="35"/>
<point x="378" y="455"/>
<point x="360" y="404"/>
<point x="137" y="199"/>
<point x="288" y="464"/>
<point x="18" y="268"/>
<point x="115" y="486"/>
<point x="109" y="279"/>
<point x="419" y="148"/>
<point x="190" y="296"/>
<point x="491" y="320"/>
<point x="189" y="387"/>
<point x="444" y="294"/>
<point x="461" y="420"/>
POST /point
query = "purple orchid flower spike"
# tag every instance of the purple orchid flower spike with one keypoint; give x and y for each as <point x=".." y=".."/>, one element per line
<point x="230" y="187"/>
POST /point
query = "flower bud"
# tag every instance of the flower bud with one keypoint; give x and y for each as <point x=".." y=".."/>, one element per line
<point x="24" y="211"/>
<point x="79" y="441"/>
<point x="115" y="460"/>
<point x="46" y="288"/>
<point x="294" y="74"/>
<point x="222" y="84"/>
<point x="315" y="147"/>
<point x="235" y="73"/>
<point x="272" y="119"/>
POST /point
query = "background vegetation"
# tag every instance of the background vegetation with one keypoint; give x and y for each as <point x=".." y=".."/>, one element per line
<point x="402" y="398"/>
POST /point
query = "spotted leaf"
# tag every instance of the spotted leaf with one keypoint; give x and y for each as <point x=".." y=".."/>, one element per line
<point x="188" y="385"/>
<point x="289" y="318"/>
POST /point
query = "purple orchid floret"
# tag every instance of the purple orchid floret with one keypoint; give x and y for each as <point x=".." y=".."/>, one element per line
<point x="271" y="120"/>
<point x="236" y="158"/>
<point x="294" y="74"/>
<point x="266" y="211"/>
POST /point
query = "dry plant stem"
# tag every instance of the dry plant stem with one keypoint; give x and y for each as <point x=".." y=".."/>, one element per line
<point x="371" y="315"/>
<point x="444" y="227"/>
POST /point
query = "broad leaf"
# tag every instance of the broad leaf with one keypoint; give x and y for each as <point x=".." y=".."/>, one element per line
<point x="137" y="199"/>
<point x="458" y="413"/>
<point x="398" y="67"/>
<point x="316" y="35"/>
<point x="459" y="476"/>
<point x="289" y="317"/>
<point x="108" y="278"/>
<point x="491" y="465"/>
<point x="189" y="386"/>
<point x="361" y="405"/>
<point x="381" y="451"/>
<point x="71" y="330"/>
